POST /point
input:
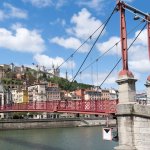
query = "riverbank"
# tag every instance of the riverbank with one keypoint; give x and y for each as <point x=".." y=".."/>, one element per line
<point x="52" y="123"/>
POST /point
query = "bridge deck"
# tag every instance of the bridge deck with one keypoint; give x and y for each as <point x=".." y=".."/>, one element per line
<point x="76" y="106"/>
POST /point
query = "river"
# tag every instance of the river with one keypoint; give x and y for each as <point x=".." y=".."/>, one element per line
<point x="81" y="138"/>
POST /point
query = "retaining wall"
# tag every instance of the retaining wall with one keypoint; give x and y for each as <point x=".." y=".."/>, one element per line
<point x="31" y="124"/>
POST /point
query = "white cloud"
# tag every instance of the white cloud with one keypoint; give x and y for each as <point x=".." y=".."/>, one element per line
<point x="39" y="3"/>
<point x="21" y="40"/>
<point x="44" y="60"/>
<point x="58" y="21"/>
<point x="94" y="4"/>
<point x="60" y="3"/>
<point x="67" y="43"/>
<point x="103" y="47"/>
<point x="142" y="39"/>
<point x="139" y="50"/>
<point x="141" y="65"/>
<point x="14" y="12"/>
<point x="46" y="3"/>
<point x="70" y="42"/>
<point x="97" y="80"/>
<point x="140" y="43"/>
<point x="138" y="53"/>
<point x="97" y="5"/>
<point x="63" y="22"/>
<point x="84" y="24"/>
<point x="138" y="58"/>
<point x="129" y="1"/>
<point x="2" y="15"/>
<point x="16" y="26"/>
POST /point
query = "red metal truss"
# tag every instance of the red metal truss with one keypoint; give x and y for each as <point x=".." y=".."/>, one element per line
<point x="123" y="36"/>
<point x="122" y="6"/>
<point x="77" y="106"/>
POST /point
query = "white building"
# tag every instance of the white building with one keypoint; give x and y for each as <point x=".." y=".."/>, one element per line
<point x="113" y="94"/>
<point x="5" y="99"/>
<point x="2" y="99"/>
<point x="109" y="94"/>
<point x="37" y="92"/>
<point x="14" y="95"/>
<point x="92" y="95"/>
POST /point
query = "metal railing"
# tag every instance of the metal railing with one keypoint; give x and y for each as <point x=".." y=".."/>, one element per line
<point x="77" y="106"/>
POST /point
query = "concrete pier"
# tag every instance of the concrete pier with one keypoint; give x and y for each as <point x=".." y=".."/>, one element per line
<point x="127" y="90"/>
<point x="133" y="119"/>
<point x="134" y="127"/>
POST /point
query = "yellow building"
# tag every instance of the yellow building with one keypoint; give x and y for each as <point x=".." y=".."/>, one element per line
<point x="20" y="96"/>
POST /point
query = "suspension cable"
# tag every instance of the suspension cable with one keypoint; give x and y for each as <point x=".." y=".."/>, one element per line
<point x="94" y="43"/>
<point x="121" y="57"/>
<point x="72" y="65"/>
<point x="98" y="58"/>
<point x="84" y="41"/>
<point x="81" y="45"/>
<point x="97" y="74"/>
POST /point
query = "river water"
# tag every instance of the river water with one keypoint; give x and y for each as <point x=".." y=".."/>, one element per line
<point x="81" y="138"/>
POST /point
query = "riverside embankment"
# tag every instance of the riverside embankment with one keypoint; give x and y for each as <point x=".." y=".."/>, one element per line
<point x="52" y="123"/>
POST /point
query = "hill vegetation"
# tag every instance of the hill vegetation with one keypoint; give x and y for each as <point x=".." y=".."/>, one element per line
<point x="64" y="84"/>
<point x="30" y="77"/>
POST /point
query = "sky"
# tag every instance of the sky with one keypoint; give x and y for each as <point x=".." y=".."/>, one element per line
<point x="47" y="32"/>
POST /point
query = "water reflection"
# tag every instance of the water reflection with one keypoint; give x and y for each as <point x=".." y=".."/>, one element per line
<point x="83" y="138"/>
<point x="27" y="144"/>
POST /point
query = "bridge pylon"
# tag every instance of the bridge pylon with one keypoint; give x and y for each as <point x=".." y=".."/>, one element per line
<point x="126" y="79"/>
<point x="133" y="119"/>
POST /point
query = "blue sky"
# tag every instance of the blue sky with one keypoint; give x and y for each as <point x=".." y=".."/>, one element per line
<point x="46" y="32"/>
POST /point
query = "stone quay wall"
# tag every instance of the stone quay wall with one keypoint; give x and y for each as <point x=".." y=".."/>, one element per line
<point x="55" y="123"/>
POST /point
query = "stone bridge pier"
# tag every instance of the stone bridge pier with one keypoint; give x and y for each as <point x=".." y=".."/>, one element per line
<point x="133" y="119"/>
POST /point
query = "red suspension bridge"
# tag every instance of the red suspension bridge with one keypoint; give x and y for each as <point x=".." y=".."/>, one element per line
<point x="103" y="107"/>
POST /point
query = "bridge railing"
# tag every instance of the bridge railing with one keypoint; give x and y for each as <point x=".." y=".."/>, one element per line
<point x="95" y="106"/>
